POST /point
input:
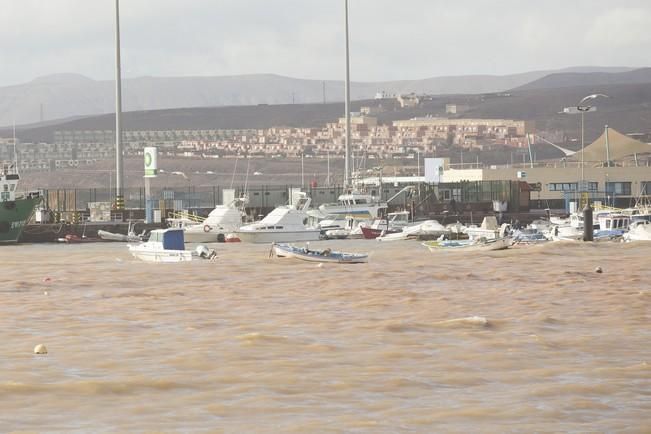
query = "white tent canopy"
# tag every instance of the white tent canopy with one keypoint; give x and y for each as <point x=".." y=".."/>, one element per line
<point x="620" y="146"/>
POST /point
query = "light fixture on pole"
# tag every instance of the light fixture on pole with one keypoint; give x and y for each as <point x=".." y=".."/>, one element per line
<point x="582" y="107"/>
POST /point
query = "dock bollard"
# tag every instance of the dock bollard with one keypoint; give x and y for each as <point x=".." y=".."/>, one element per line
<point x="588" y="228"/>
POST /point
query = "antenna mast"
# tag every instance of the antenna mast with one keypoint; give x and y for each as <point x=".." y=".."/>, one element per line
<point x="14" y="141"/>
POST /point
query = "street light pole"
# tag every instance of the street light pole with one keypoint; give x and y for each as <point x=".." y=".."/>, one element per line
<point x="119" y="170"/>
<point x="582" y="147"/>
<point x="582" y="107"/>
<point x="347" y="168"/>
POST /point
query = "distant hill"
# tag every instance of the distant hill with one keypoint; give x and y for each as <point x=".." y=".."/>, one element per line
<point x="572" y="79"/>
<point x="70" y="95"/>
<point x="628" y="110"/>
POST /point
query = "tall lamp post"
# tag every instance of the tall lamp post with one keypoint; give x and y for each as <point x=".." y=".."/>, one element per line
<point x="347" y="167"/>
<point x="119" y="168"/>
<point x="582" y="107"/>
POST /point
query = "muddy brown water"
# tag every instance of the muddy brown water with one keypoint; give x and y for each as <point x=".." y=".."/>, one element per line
<point x="524" y="340"/>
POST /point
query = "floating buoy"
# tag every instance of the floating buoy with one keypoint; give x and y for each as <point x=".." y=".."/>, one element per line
<point x="40" y="349"/>
<point x="598" y="270"/>
<point x="45" y="293"/>
<point x="232" y="238"/>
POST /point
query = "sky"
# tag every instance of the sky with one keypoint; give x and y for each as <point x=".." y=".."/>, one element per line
<point x="389" y="39"/>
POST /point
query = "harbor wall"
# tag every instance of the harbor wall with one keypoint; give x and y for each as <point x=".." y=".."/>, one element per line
<point x="51" y="233"/>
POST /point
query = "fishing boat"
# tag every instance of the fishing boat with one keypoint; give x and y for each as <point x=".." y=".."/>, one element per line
<point x="394" y="223"/>
<point x="478" y="245"/>
<point x="355" y="203"/>
<point x="15" y="210"/>
<point x="371" y="233"/>
<point x="164" y="245"/>
<point x="325" y="255"/>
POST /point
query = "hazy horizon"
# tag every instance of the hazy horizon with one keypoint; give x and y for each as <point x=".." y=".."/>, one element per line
<point x="69" y="73"/>
<point x="390" y="40"/>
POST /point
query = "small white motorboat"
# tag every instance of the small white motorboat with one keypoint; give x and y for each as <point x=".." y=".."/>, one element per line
<point x="325" y="255"/>
<point x="167" y="245"/>
<point x="478" y="245"/>
<point x="337" y="234"/>
<point x="130" y="237"/>
<point x="427" y="228"/>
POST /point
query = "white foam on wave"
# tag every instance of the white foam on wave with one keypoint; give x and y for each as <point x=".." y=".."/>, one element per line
<point x="469" y="320"/>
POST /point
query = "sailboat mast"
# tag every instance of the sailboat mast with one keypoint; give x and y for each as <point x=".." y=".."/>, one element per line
<point x="15" y="153"/>
<point x="347" y="180"/>
<point x="119" y="173"/>
<point x="328" y="179"/>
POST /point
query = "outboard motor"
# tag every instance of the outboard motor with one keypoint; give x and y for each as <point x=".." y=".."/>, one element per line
<point x="205" y="253"/>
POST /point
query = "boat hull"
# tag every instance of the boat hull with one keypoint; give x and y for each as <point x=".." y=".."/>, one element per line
<point x="638" y="234"/>
<point x="205" y="237"/>
<point x="373" y="233"/>
<point x="286" y="251"/>
<point x="262" y="236"/>
<point x="337" y="234"/>
<point x="149" y="255"/>
<point x="469" y="246"/>
<point x="14" y="216"/>
<point x="110" y="236"/>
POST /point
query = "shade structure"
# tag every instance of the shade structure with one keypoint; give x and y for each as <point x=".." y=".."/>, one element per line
<point x="620" y="147"/>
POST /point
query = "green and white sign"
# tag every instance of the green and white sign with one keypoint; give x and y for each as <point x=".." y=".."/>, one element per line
<point x="151" y="162"/>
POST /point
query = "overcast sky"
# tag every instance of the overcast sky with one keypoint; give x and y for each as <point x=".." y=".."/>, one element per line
<point x="390" y="39"/>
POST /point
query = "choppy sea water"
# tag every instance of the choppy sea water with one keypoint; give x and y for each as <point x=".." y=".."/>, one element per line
<point x="525" y="340"/>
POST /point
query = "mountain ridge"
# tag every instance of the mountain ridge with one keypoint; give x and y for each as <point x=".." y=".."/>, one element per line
<point x="67" y="95"/>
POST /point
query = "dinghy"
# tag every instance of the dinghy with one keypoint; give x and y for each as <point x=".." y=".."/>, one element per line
<point x="480" y="245"/>
<point x="325" y="255"/>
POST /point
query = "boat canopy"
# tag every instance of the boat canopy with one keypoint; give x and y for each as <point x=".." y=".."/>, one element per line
<point x="172" y="239"/>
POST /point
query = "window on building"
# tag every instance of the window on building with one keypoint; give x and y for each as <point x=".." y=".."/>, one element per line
<point x="623" y="188"/>
<point x="562" y="186"/>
